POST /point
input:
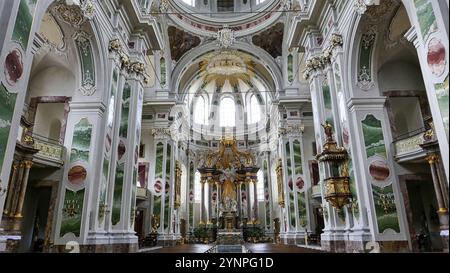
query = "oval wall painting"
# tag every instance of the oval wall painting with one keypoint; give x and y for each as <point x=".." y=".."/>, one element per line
<point x="379" y="170"/>
<point x="13" y="66"/>
<point x="77" y="175"/>
<point x="157" y="186"/>
<point x="436" y="57"/>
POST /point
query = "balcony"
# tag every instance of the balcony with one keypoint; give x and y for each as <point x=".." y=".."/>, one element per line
<point x="141" y="193"/>
<point x="407" y="147"/>
<point x="51" y="153"/>
<point x="316" y="192"/>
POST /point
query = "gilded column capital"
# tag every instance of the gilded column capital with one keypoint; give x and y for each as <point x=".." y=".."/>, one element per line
<point x="28" y="164"/>
<point x="432" y="158"/>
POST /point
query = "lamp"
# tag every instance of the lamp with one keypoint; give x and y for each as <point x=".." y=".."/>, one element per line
<point x="335" y="159"/>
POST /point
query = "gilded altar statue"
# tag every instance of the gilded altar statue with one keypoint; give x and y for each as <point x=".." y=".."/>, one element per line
<point x="229" y="190"/>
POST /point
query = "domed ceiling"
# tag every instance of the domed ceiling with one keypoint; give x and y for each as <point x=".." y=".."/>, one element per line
<point x="244" y="17"/>
<point x="235" y="69"/>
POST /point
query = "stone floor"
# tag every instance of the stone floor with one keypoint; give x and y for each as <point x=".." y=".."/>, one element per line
<point x="193" y="248"/>
<point x="273" y="248"/>
<point x="254" y="248"/>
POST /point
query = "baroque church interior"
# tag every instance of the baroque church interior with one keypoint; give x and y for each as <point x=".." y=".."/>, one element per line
<point x="219" y="126"/>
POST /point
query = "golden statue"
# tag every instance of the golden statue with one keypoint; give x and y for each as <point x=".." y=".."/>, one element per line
<point x="328" y="128"/>
<point x="229" y="190"/>
<point x="155" y="223"/>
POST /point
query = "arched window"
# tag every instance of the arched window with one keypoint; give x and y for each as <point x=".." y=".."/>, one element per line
<point x="227" y="112"/>
<point x="197" y="188"/>
<point x="201" y="111"/>
<point x="254" y="110"/>
<point x="260" y="186"/>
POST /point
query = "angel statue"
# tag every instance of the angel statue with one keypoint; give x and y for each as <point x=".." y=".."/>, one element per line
<point x="328" y="130"/>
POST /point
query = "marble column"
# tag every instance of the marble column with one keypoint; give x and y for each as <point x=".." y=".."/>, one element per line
<point x="202" y="203"/>
<point x="249" y="205"/>
<point x="239" y="200"/>
<point x="210" y="186"/>
<point x="218" y="198"/>
<point x="11" y="187"/>
<point x="14" y="196"/>
<point x="433" y="159"/>
<point x="443" y="182"/>
<point x="23" y="188"/>
<point x="255" y="202"/>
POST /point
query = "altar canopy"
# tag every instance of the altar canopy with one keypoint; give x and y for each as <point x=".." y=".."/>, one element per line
<point x="230" y="172"/>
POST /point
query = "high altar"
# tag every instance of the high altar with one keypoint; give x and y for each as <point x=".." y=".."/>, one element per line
<point x="229" y="170"/>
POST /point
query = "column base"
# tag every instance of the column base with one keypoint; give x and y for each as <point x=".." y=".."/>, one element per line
<point x="445" y="237"/>
<point x="101" y="242"/>
<point x="100" y="248"/>
<point x="168" y="240"/>
<point x="332" y="245"/>
<point x="288" y="238"/>
<point x="11" y="225"/>
<point x="9" y="244"/>
<point x="10" y="234"/>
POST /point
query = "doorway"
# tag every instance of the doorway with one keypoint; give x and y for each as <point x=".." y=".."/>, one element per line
<point x="422" y="216"/>
<point x="139" y="224"/>
<point x="35" y="219"/>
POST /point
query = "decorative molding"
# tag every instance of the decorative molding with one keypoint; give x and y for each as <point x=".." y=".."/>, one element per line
<point x="136" y="67"/>
<point x="286" y="4"/>
<point x="76" y="14"/>
<point x="225" y="37"/>
<point x="361" y="6"/>
<point x="365" y="73"/>
<point x="161" y="133"/>
<point x="82" y="39"/>
<point x="321" y="61"/>
<point x="292" y="130"/>
<point x="164" y="6"/>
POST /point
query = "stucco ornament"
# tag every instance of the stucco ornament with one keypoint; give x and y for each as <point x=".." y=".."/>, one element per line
<point x="164" y="6"/>
<point x="286" y="4"/>
<point x="74" y="12"/>
<point x="225" y="37"/>
<point x="361" y="6"/>
<point x="88" y="84"/>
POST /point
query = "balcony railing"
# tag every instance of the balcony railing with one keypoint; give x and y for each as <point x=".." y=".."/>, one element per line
<point x="316" y="192"/>
<point x="407" y="146"/>
<point x="141" y="193"/>
<point x="48" y="149"/>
